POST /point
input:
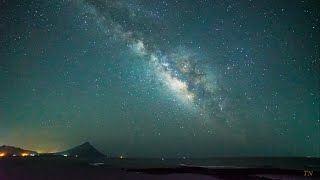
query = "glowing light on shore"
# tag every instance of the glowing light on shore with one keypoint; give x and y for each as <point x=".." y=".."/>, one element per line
<point x="24" y="154"/>
<point x="2" y="154"/>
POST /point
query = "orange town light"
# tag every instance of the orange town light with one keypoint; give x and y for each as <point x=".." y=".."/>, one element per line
<point x="2" y="154"/>
<point x="24" y="154"/>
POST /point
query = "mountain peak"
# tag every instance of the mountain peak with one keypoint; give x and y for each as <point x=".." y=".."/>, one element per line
<point x="86" y="144"/>
<point x="83" y="150"/>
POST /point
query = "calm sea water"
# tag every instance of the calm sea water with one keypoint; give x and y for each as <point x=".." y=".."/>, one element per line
<point x="277" y="162"/>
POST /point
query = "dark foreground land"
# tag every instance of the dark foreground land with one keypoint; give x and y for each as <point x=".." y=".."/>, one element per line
<point x="66" y="168"/>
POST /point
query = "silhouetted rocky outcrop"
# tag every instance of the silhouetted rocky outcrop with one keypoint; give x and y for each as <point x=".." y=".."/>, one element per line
<point x="15" y="151"/>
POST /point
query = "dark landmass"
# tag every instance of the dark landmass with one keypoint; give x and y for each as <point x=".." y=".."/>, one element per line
<point x="15" y="151"/>
<point x="83" y="150"/>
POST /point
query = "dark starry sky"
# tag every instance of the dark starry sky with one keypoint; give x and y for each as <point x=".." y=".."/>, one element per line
<point x="161" y="78"/>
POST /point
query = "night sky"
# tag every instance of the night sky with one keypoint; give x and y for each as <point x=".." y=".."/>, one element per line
<point x="149" y="78"/>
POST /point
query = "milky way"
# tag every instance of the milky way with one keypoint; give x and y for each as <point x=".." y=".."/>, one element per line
<point x="185" y="74"/>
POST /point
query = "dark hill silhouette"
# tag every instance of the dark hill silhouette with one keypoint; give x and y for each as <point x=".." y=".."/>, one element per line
<point x="83" y="150"/>
<point x="11" y="150"/>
